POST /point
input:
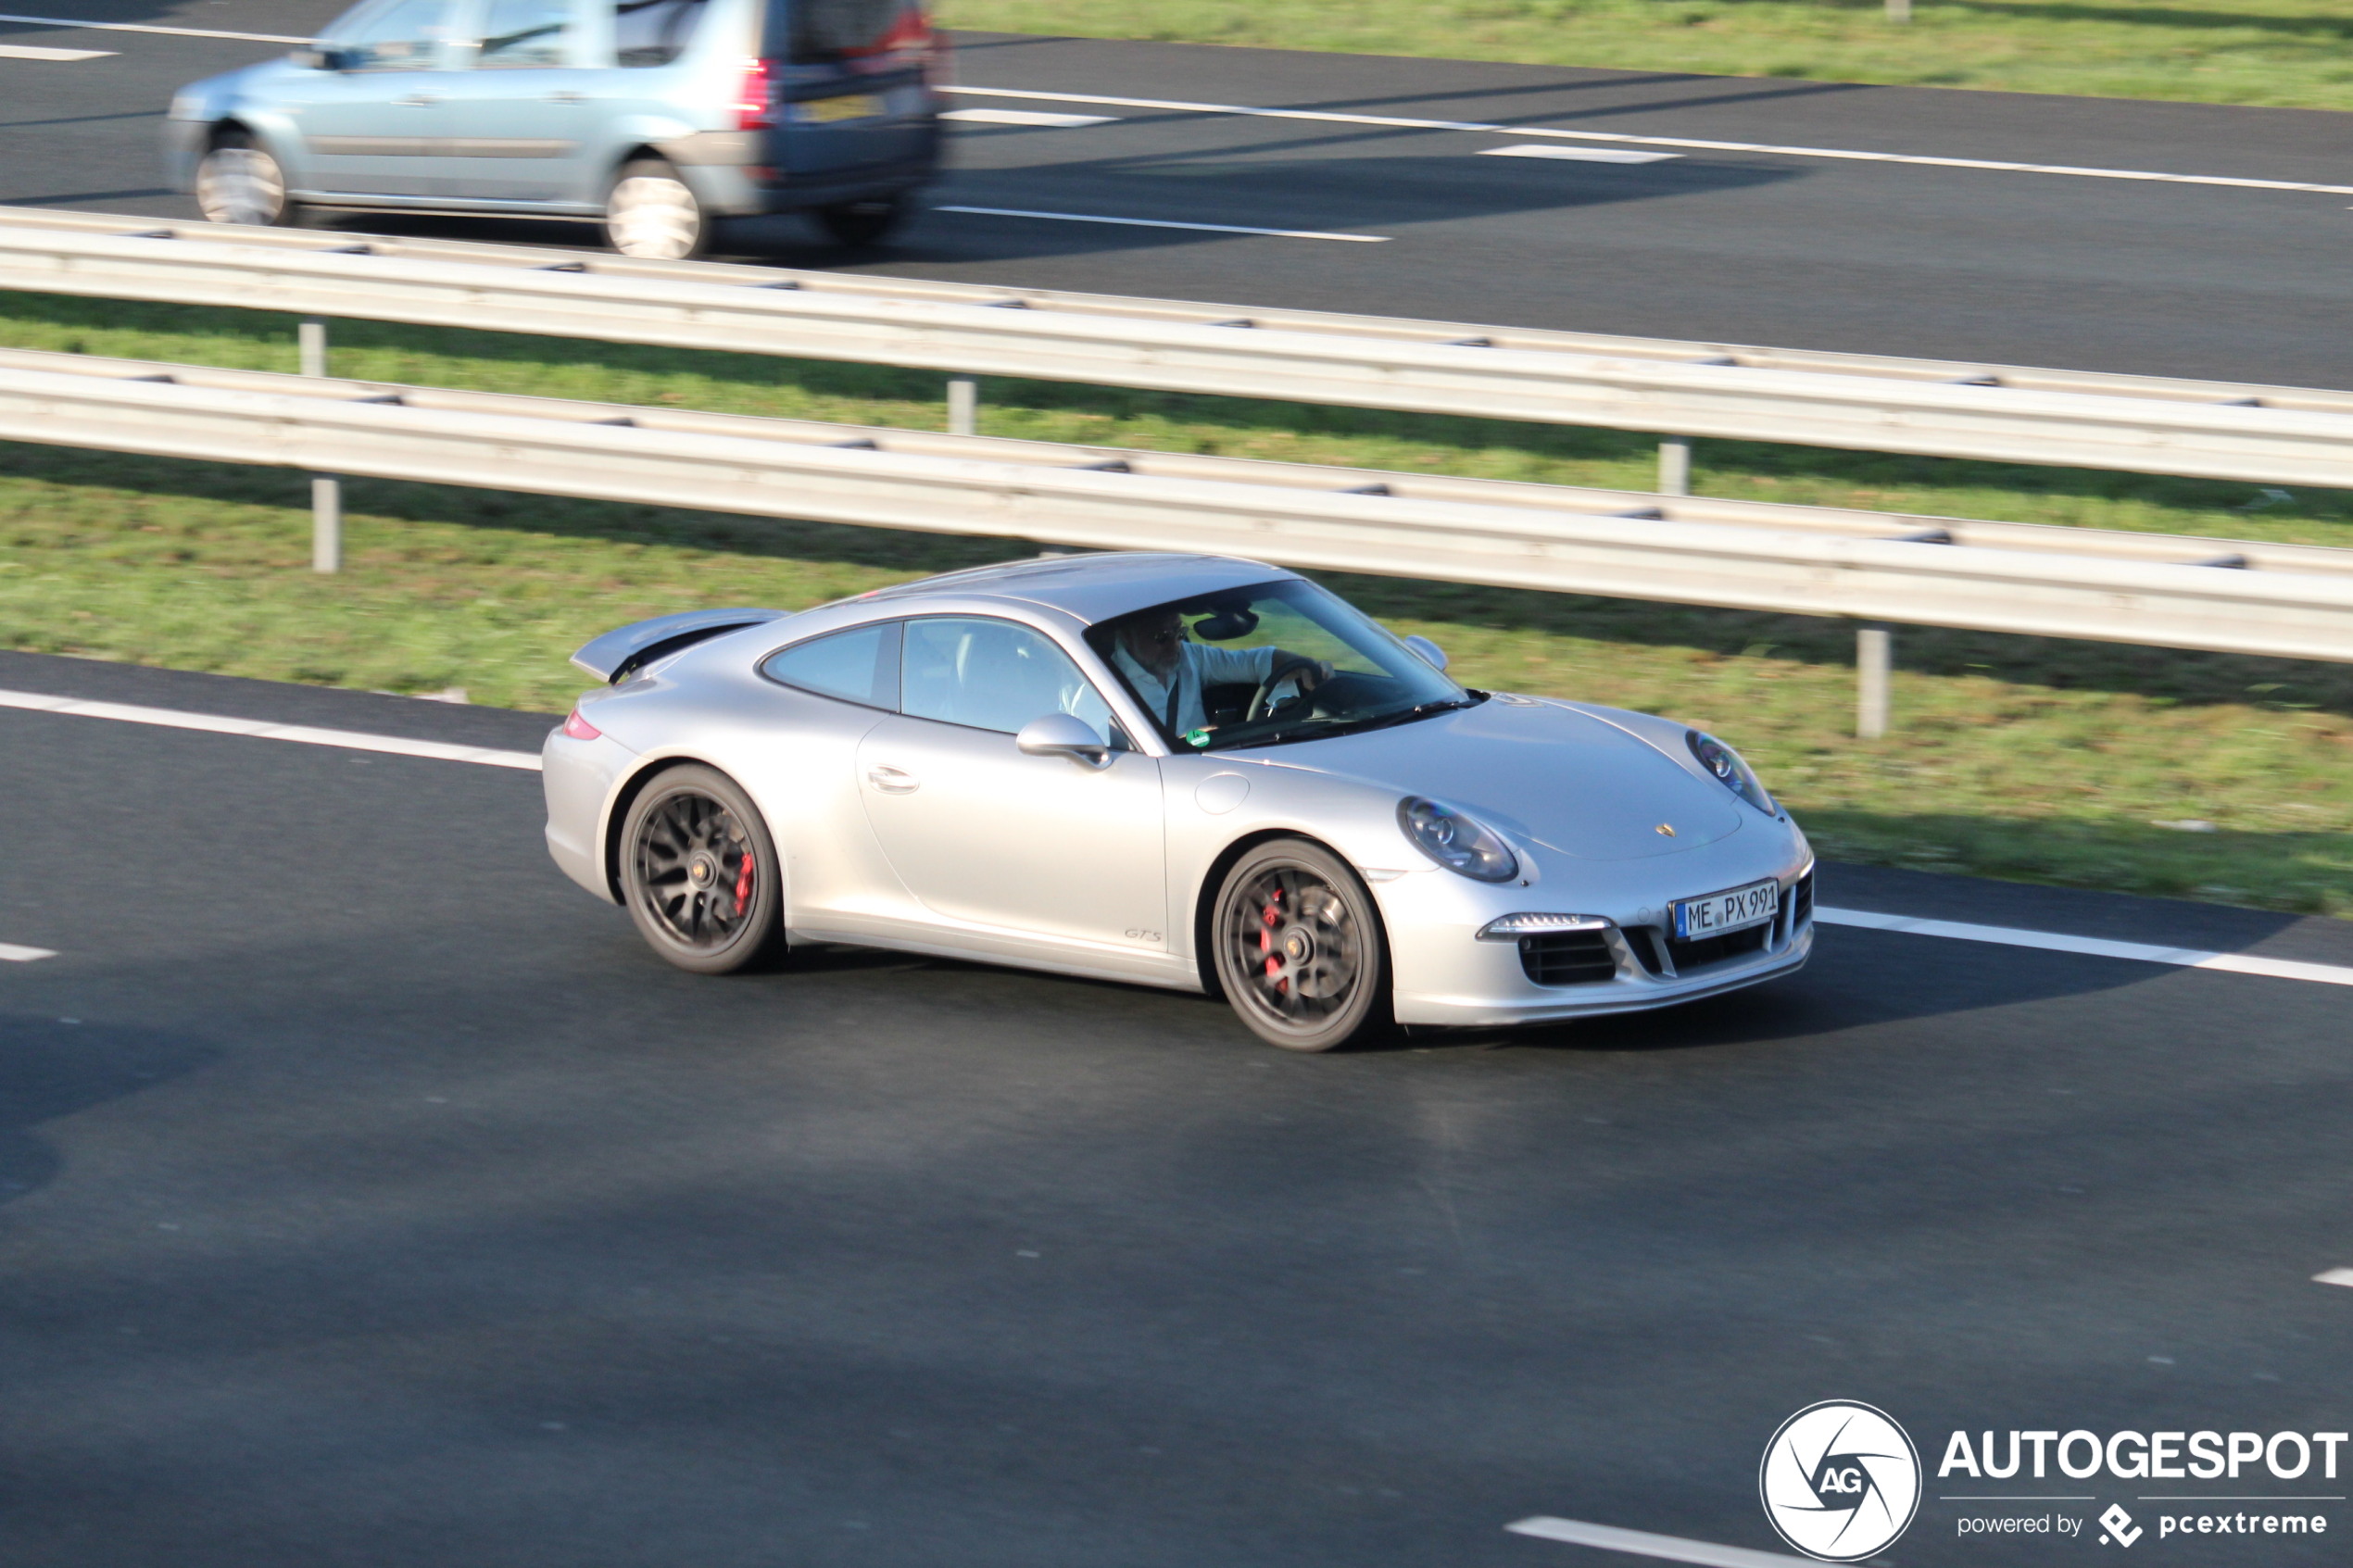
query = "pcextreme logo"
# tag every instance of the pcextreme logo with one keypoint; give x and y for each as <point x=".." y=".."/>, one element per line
<point x="1839" y="1481"/>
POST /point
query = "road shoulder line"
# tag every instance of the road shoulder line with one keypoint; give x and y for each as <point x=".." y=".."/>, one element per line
<point x="303" y="735"/>
<point x="2096" y="947"/>
<point x="1610" y="1538"/>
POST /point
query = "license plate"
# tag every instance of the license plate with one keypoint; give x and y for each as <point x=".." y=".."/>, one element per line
<point x="1733" y="910"/>
<point x="825" y="111"/>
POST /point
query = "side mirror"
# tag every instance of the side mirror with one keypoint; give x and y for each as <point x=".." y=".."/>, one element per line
<point x="1432" y="654"/>
<point x="318" y="56"/>
<point x="1060" y="734"/>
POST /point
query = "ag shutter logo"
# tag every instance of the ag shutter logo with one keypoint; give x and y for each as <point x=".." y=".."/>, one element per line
<point x="1839" y="1481"/>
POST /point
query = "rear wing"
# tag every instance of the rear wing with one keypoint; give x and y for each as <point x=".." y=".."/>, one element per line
<point x="614" y="655"/>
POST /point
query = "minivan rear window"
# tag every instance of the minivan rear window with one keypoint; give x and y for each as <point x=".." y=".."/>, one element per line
<point x="821" y="31"/>
<point x="653" y="33"/>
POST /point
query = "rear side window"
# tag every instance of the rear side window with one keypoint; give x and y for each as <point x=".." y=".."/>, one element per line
<point x="989" y="675"/>
<point x="653" y="33"/>
<point x="823" y="30"/>
<point x="860" y="666"/>
<point x="524" y="35"/>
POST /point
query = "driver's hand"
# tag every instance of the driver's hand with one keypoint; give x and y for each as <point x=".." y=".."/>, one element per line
<point x="1315" y="675"/>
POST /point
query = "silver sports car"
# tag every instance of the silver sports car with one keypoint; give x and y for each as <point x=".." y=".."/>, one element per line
<point x="1171" y="770"/>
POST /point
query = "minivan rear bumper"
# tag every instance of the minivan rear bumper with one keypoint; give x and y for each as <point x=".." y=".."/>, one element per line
<point x="742" y="191"/>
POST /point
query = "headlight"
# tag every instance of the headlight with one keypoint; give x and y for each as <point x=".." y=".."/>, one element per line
<point x="1733" y="773"/>
<point x="1459" y="843"/>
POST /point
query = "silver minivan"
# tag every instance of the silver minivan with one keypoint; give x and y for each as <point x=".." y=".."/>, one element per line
<point x="656" y="117"/>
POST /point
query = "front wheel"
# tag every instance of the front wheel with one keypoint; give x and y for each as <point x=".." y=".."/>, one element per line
<point x="699" y="872"/>
<point x="654" y="215"/>
<point x="239" y="183"/>
<point x="1298" y="948"/>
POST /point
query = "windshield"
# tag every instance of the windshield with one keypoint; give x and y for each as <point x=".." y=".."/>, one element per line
<point x="1283" y="661"/>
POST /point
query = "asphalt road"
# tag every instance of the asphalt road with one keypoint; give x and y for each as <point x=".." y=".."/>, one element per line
<point x="370" y="1195"/>
<point x="2092" y="273"/>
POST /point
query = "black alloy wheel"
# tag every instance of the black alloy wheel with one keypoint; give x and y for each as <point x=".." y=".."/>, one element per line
<point x="1298" y="948"/>
<point x="699" y="873"/>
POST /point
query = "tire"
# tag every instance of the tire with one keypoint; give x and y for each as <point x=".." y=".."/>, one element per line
<point x="1298" y="948"/>
<point x="699" y="873"/>
<point x="652" y="214"/>
<point x="238" y="182"/>
<point x="859" y="224"/>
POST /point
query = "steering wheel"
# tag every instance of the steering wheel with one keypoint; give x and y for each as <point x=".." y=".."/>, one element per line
<point x="1263" y="702"/>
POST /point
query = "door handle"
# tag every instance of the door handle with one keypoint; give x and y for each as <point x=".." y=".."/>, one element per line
<point x="893" y="780"/>
<point x="417" y="101"/>
<point x="566" y="95"/>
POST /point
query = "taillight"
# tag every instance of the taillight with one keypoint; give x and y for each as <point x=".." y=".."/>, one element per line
<point x="581" y="729"/>
<point x="754" y="109"/>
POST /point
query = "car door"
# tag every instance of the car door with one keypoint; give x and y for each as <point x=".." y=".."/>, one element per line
<point x="1061" y="851"/>
<point x="517" y="120"/>
<point x="375" y="127"/>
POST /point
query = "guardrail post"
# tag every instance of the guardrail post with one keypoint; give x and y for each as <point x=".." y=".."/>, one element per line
<point x="1899" y="10"/>
<point x="963" y="405"/>
<point x="326" y="491"/>
<point x="1675" y="466"/>
<point x="1874" y="657"/>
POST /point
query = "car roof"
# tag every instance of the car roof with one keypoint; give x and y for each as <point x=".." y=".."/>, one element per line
<point x="1095" y="587"/>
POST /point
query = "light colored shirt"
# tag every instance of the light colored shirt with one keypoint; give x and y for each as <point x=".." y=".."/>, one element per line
<point x="1198" y="665"/>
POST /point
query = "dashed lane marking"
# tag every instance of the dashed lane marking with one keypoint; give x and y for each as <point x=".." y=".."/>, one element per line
<point x="1579" y="155"/>
<point x="1165" y="223"/>
<point x="1642" y="1543"/>
<point x="2097" y="947"/>
<point x="142" y="27"/>
<point x="2333" y="1276"/>
<point x="1029" y="117"/>
<point x="1848" y="155"/>
<point x="34" y="52"/>
<point x="11" y="953"/>
<point x="304" y="734"/>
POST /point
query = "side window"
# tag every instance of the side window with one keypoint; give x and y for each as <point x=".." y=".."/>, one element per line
<point x="993" y="676"/>
<point x="653" y="33"/>
<point x="525" y="34"/>
<point x="404" y="35"/>
<point x="860" y="665"/>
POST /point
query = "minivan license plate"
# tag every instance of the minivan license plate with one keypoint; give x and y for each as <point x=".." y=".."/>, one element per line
<point x="1720" y="912"/>
<point x="854" y="106"/>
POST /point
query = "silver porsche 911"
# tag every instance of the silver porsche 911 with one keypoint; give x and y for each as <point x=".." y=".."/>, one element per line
<point x="1171" y="770"/>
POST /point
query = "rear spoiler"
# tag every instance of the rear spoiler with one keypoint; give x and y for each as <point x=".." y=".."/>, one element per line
<point x="613" y="657"/>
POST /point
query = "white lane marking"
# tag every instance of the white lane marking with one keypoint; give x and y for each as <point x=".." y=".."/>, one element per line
<point x="2097" y="947"/>
<point x="11" y="953"/>
<point x="1029" y="117"/>
<point x="1165" y="223"/>
<point x="34" y="52"/>
<point x="1610" y="1538"/>
<point x="2333" y="1276"/>
<point x="1846" y="154"/>
<point x="351" y="740"/>
<point x="1580" y="155"/>
<point x="141" y="27"/>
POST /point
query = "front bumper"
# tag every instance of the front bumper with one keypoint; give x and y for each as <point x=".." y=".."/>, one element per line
<point x="184" y="147"/>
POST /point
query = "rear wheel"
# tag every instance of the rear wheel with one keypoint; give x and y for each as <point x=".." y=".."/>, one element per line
<point x="238" y="182"/>
<point x="699" y="873"/>
<point x="862" y="224"/>
<point x="1298" y="948"/>
<point x="653" y="214"/>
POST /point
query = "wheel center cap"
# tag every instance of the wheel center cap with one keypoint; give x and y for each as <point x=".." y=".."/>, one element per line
<point x="701" y="871"/>
<point x="1298" y="946"/>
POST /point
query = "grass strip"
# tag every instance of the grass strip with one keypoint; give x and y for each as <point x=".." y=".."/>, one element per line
<point x="2280" y="53"/>
<point x="2022" y="757"/>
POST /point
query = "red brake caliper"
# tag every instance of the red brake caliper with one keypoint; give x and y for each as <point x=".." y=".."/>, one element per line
<point x="743" y="885"/>
<point x="1266" y="920"/>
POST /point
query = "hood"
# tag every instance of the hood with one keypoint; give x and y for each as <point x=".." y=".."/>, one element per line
<point x="1546" y="774"/>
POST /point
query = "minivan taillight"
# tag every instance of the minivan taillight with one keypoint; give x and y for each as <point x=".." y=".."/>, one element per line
<point x="754" y="107"/>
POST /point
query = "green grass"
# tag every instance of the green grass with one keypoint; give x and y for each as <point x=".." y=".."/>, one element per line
<point x="2013" y="757"/>
<point x="2285" y="53"/>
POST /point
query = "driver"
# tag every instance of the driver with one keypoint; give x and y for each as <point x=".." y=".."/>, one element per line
<point x="1167" y="671"/>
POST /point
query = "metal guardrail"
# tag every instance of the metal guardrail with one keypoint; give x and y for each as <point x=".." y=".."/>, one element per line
<point x="2288" y="601"/>
<point x="2145" y="424"/>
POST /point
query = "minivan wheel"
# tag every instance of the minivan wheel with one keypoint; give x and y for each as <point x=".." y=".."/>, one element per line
<point x="239" y="183"/>
<point x="654" y="215"/>
<point x="1298" y="948"/>
<point x="862" y="224"/>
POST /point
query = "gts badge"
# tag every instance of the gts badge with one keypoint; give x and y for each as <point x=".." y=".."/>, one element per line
<point x="1143" y="936"/>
